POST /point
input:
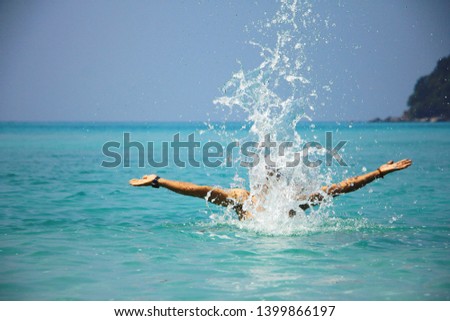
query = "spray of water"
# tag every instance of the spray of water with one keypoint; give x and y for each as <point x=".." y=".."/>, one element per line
<point x="275" y="96"/>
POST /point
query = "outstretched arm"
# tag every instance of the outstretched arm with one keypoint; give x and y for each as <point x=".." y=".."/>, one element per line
<point x="355" y="183"/>
<point x="215" y="195"/>
<point x="234" y="197"/>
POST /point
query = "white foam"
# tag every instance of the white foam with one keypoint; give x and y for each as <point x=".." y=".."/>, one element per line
<point x="275" y="97"/>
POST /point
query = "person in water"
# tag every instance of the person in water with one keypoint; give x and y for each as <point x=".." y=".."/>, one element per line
<point x="237" y="197"/>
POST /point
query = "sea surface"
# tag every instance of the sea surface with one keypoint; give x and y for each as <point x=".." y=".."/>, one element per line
<point x="72" y="229"/>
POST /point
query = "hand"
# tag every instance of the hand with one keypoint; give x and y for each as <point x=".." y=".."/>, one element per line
<point x="390" y="166"/>
<point x="146" y="180"/>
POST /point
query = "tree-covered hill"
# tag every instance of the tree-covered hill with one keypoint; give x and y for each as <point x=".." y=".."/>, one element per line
<point x="431" y="96"/>
<point x="430" y="100"/>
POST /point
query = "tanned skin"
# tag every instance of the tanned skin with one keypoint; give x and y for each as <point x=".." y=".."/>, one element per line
<point x="236" y="197"/>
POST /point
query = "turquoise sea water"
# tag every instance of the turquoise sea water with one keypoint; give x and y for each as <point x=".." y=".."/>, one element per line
<point x="71" y="229"/>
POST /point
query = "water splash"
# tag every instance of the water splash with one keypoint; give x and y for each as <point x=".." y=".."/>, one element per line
<point x="275" y="96"/>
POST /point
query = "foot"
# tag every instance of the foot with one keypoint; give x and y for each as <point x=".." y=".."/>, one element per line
<point x="390" y="166"/>
<point x="146" y="180"/>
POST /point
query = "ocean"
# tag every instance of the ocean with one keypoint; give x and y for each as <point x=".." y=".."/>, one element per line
<point x="72" y="229"/>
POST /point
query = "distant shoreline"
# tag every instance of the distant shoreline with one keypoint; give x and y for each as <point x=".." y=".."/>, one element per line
<point x="233" y="124"/>
<point x="413" y="120"/>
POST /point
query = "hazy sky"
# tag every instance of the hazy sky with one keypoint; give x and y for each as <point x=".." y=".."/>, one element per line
<point x="167" y="60"/>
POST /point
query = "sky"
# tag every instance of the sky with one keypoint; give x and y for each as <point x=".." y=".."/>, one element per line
<point x="167" y="60"/>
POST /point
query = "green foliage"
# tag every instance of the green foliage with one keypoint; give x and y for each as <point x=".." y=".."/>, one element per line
<point x="431" y="96"/>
